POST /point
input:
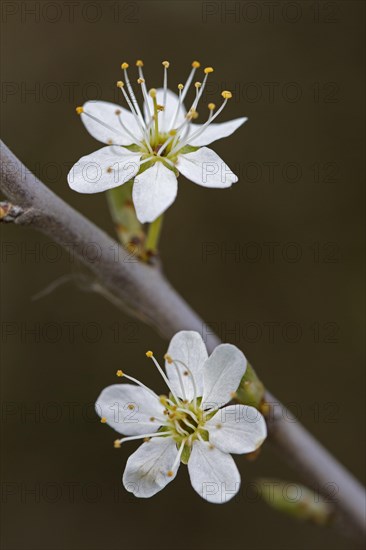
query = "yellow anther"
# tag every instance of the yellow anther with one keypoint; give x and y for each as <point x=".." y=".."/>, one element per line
<point x="109" y="170"/>
<point x="168" y="359"/>
<point x="218" y="426"/>
<point x="166" y="64"/>
<point x="140" y="81"/>
<point x="119" y="84"/>
<point x="119" y="373"/>
<point x="197" y="84"/>
<point x="170" y="473"/>
<point x="163" y="400"/>
<point x="208" y="70"/>
<point x="211" y="106"/>
<point x="79" y="110"/>
<point x="103" y="420"/>
<point x="192" y="114"/>
<point x="226" y="94"/>
<point x="196" y="64"/>
<point x="149" y="354"/>
<point x="110" y="141"/>
<point x="160" y="107"/>
<point x="152" y="92"/>
<point x="117" y="112"/>
<point x="131" y="406"/>
<point x="139" y="63"/>
<point x="124" y="65"/>
<point x="172" y="132"/>
<point x="152" y="418"/>
<point x="180" y="86"/>
<point x="117" y="444"/>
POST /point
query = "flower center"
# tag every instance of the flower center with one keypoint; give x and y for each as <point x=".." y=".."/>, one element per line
<point x="184" y="420"/>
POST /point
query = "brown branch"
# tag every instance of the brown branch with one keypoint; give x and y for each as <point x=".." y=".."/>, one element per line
<point x="145" y="292"/>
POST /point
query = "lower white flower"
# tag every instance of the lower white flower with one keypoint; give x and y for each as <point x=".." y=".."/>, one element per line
<point x="152" y="145"/>
<point x="191" y="425"/>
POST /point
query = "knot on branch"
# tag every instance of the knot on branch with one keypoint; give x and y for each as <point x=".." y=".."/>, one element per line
<point x="9" y="212"/>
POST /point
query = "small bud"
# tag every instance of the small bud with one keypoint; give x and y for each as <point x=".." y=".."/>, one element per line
<point x="251" y="389"/>
<point x="295" y="500"/>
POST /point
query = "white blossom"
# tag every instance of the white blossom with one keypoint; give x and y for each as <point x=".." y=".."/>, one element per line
<point x="153" y="144"/>
<point x="192" y="425"/>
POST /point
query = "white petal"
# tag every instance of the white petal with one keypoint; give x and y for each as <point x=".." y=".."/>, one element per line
<point x="213" y="474"/>
<point x="222" y="373"/>
<point x="106" y="113"/>
<point x="153" y="192"/>
<point x="237" y="429"/>
<point x="206" y="168"/>
<point x="167" y="116"/>
<point x="187" y="346"/>
<point x="107" y="168"/>
<point x="129" y="409"/>
<point x="214" y="131"/>
<point x="147" y="468"/>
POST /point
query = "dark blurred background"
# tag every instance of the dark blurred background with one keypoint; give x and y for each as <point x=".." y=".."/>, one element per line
<point x="275" y="264"/>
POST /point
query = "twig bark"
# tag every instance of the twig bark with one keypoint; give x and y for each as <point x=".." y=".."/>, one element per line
<point x="145" y="292"/>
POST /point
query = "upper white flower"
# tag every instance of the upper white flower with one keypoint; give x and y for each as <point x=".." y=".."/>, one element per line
<point x="154" y="144"/>
<point x="191" y="425"/>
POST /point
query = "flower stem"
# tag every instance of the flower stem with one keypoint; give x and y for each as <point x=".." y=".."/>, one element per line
<point x="152" y="239"/>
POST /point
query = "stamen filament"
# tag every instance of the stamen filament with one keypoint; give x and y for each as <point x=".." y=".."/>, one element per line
<point x="187" y="411"/>
<point x="143" y="130"/>
<point x="133" y="97"/>
<point x="102" y="123"/>
<point x="195" y="66"/>
<point x="135" y="140"/>
<point x="140" y="384"/>
<point x="195" y="393"/>
<point x="177" y="458"/>
<point x="165" y="86"/>
<point x="180" y="381"/>
<point x="164" y="376"/>
<point x="133" y="437"/>
<point x="180" y="102"/>
<point x="184" y="142"/>
<point x="180" y="429"/>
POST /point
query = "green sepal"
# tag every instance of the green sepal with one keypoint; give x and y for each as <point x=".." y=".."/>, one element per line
<point x="134" y="148"/>
<point x="188" y="149"/>
<point x="186" y="453"/>
<point x="250" y="390"/>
